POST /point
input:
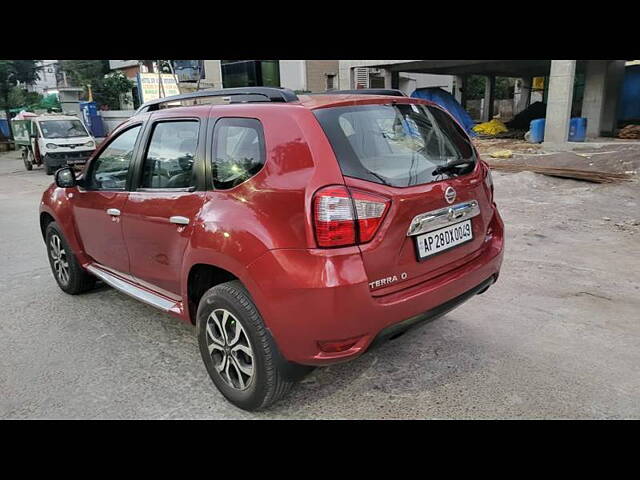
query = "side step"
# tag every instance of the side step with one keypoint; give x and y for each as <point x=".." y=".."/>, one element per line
<point x="135" y="291"/>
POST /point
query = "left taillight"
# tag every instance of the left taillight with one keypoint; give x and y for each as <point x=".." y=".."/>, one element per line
<point x="345" y="216"/>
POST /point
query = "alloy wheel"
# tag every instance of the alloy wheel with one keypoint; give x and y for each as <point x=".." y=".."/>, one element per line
<point x="230" y="349"/>
<point x="60" y="261"/>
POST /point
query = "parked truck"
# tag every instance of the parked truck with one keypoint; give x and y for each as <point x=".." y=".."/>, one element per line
<point x="53" y="140"/>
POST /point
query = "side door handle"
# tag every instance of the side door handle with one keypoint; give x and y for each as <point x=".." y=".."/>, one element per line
<point x="179" y="220"/>
<point x="113" y="212"/>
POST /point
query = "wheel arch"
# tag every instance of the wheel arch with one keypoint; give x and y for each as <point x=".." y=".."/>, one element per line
<point x="45" y="219"/>
<point x="202" y="277"/>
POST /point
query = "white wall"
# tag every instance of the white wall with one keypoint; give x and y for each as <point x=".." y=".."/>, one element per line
<point x="408" y="81"/>
<point x="112" y="118"/>
<point x="115" y="64"/>
<point x="212" y="74"/>
<point x="293" y="74"/>
<point x="47" y="82"/>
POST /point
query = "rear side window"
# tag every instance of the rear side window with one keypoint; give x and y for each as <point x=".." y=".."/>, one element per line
<point x="399" y="145"/>
<point x="170" y="156"/>
<point x="239" y="151"/>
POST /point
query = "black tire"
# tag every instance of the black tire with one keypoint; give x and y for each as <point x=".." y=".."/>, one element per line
<point x="78" y="280"/>
<point x="26" y="158"/>
<point x="272" y="376"/>
<point x="50" y="170"/>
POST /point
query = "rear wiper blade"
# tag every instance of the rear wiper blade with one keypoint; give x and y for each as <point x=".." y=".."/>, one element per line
<point x="451" y="166"/>
<point x="379" y="177"/>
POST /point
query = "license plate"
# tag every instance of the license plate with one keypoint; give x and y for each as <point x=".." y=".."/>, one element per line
<point x="443" y="239"/>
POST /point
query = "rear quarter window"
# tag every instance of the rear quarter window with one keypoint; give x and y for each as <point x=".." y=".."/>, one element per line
<point x="239" y="151"/>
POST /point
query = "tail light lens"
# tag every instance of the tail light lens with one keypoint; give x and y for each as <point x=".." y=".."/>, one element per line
<point x="347" y="216"/>
<point x="488" y="181"/>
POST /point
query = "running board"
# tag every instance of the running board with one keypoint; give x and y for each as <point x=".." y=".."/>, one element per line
<point x="142" y="294"/>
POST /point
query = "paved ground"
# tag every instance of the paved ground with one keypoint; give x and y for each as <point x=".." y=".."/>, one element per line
<point x="557" y="337"/>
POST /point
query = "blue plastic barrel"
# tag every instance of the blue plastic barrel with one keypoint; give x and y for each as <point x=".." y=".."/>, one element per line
<point x="578" y="129"/>
<point x="536" y="127"/>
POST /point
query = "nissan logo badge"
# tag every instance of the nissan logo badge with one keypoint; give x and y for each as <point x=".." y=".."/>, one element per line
<point x="450" y="195"/>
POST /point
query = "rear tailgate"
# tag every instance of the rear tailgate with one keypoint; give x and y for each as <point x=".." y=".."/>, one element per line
<point x="391" y="259"/>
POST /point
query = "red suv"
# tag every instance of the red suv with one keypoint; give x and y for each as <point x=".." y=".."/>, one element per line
<point x="292" y="231"/>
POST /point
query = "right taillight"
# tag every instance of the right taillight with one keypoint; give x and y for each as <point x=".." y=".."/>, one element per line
<point x="347" y="216"/>
<point x="488" y="181"/>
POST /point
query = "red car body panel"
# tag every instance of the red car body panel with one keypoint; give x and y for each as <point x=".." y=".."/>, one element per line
<point x="261" y="231"/>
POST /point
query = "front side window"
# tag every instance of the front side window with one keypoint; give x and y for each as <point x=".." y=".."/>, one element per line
<point x="171" y="155"/>
<point x="63" y="129"/>
<point x="238" y="151"/>
<point x="399" y="144"/>
<point x="109" y="170"/>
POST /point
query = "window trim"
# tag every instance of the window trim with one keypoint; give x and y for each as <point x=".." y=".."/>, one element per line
<point x="86" y="180"/>
<point x="195" y="175"/>
<point x="213" y="144"/>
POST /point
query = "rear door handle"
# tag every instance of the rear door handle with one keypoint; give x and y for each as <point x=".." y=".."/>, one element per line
<point x="113" y="211"/>
<point x="179" y="220"/>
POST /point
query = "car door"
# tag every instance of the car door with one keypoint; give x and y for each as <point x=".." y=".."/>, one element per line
<point x="168" y="193"/>
<point x="101" y="198"/>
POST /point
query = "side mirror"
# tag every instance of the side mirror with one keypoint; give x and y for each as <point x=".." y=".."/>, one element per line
<point x="66" y="178"/>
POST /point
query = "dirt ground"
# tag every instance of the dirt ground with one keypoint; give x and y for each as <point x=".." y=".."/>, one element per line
<point x="558" y="336"/>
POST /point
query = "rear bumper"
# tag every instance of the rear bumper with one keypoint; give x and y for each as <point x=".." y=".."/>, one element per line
<point x="311" y="296"/>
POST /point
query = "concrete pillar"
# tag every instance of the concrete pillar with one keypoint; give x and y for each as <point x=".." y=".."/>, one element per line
<point x="524" y="99"/>
<point x="461" y="86"/>
<point x="489" y="97"/>
<point x="615" y="78"/>
<point x="70" y="100"/>
<point x="559" y="100"/>
<point x="395" y="80"/>
<point x="594" y="95"/>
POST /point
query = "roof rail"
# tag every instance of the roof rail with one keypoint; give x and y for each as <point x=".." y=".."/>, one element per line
<point x="368" y="91"/>
<point x="268" y="94"/>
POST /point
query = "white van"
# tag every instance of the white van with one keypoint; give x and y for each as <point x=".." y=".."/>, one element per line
<point x="55" y="140"/>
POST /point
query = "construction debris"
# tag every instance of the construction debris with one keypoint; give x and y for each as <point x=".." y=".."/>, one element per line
<point x="501" y="154"/>
<point x="575" y="174"/>
<point x="493" y="127"/>
<point x="630" y="132"/>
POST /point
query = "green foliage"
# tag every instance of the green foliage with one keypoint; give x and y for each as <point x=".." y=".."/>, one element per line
<point x="13" y="72"/>
<point x="475" y="87"/>
<point x="109" y="89"/>
<point x="106" y="87"/>
<point x="21" y="98"/>
<point x="81" y="73"/>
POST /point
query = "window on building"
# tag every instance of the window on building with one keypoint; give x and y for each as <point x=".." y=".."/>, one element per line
<point x="331" y="82"/>
<point x="250" y="73"/>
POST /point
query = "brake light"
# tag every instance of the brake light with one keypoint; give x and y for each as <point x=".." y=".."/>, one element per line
<point x="488" y="181"/>
<point x="347" y="216"/>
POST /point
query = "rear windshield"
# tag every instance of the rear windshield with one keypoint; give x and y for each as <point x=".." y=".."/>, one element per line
<point x="398" y="144"/>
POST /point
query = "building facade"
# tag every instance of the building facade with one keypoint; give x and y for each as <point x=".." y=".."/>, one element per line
<point x="354" y="74"/>
<point x="49" y="78"/>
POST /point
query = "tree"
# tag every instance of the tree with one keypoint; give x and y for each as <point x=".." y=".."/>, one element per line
<point x="13" y="72"/>
<point x="83" y="73"/>
<point x="21" y="98"/>
<point x="475" y="87"/>
<point x="110" y="89"/>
